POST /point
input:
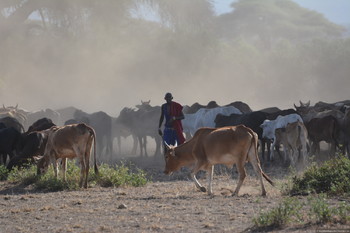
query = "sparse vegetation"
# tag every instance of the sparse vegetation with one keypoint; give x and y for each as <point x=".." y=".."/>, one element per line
<point x="333" y="178"/>
<point x="108" y="176"/>
<point x="316" y="210"/>
<point x="279" y="216"/>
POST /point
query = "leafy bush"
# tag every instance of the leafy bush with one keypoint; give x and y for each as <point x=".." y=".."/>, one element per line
<point x="280" y="215"/>
<point x="333" y="178"/>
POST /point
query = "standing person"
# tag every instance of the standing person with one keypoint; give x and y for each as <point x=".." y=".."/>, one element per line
<point x="173" y="131"/>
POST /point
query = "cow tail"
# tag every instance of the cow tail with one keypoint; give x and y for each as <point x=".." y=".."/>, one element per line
<point x="93" y="134"/>
<point x="254" y="145"/>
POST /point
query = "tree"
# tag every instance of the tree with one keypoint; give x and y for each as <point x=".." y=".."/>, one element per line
<point x="269" y="21"/>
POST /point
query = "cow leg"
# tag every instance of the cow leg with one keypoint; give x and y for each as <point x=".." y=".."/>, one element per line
<point x="210" y="179"/>
<point x="272" y="147"/>
<point x="55" y="167"/>
<point x="257" y="168"/>
<point x="64" y="168"/>
<point x="242" y="175"/>
<point x="196" y="182"/>
<point x="134" y="147"/>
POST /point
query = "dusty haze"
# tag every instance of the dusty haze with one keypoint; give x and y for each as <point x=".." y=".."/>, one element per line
<point x="108" y="56"/>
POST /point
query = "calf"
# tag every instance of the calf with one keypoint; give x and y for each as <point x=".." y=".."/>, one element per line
<point x="294" y="139"/>
<point x="70" y="141"/>
<point x="210" y="146"/>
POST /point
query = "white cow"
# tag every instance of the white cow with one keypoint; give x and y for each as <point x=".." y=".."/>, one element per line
<point x="205" y="118"/>
<point x="269" y="127"/>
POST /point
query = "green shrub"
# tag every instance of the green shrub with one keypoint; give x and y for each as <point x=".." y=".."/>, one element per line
<point x="3" y="172"/>
<point x="279" y="216"/>
<point x="120" y="175"/>
<point x="333" y="178"/>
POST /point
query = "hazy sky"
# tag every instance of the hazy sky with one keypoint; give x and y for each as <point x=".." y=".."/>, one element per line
<point x="115" y="71"/>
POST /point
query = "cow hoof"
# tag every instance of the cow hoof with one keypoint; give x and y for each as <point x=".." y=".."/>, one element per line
<point x="202" y="189"/>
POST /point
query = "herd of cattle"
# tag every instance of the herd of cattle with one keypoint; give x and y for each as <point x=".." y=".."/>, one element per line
<point x="28" y="135"/>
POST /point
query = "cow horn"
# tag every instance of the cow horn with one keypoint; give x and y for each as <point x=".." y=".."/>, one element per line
<point x="167" y="145"/>
<point x="16" y="106"/>
<point x="3" y="106"/>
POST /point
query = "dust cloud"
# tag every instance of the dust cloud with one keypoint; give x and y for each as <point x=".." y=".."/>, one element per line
<point x="103" y="56"/>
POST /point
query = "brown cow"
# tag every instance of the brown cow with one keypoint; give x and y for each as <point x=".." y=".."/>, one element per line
<point x="210" y="146"/>
<point x="69" y="141"/>
<point x="294" y="138"/>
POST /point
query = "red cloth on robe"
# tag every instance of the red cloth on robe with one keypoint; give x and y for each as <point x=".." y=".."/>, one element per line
<point x="175" y="111"/>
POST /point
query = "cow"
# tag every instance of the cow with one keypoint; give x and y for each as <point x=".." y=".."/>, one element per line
<point x="142" y="123"/>
<point x="12" y="122"/>
<point x="70" y="141"/>
<point x="31" y="146"/>
<point x="9" y="140"/>
<point x="14" y="112"/>
<point x="323" y="129"/>
<point x="241" y="106"/>
<point x="32" y="143"/>
<point x="210" y="146"/>
<point x="269" y="127"/>
<point x="41" y="124"/>
<point x="293" y="137"/>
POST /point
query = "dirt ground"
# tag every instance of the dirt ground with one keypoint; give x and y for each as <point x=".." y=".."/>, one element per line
<point x="167" y="204"/>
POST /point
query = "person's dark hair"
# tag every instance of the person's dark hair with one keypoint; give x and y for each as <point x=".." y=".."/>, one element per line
<point x="168" y="96"/>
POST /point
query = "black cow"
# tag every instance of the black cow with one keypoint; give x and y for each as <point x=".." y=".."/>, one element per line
<point x="9" y="141"/>
<point x="31" y="145"/>
<point x="41" y="124"/>
<point x="323" y="129"/>
<point x="12" y="122"/>
<point x="241" y="106"/>
<point x="252" y="120"/>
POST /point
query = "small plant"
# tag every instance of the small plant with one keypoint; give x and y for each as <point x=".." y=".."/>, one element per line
<point x="3" y="172"/>
<point x="280" y="215"/>
<point x="321" y="209"/>
<point x="120" y="175"/>
<point x="343" y="211"/>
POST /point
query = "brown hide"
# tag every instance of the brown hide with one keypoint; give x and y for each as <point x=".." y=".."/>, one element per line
<point x="210" y="146"/>
<point x="70" y="141"/>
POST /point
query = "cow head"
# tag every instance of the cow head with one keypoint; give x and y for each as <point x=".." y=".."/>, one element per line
<point x="42" y="166"/>
<point x="171" y="161"/>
